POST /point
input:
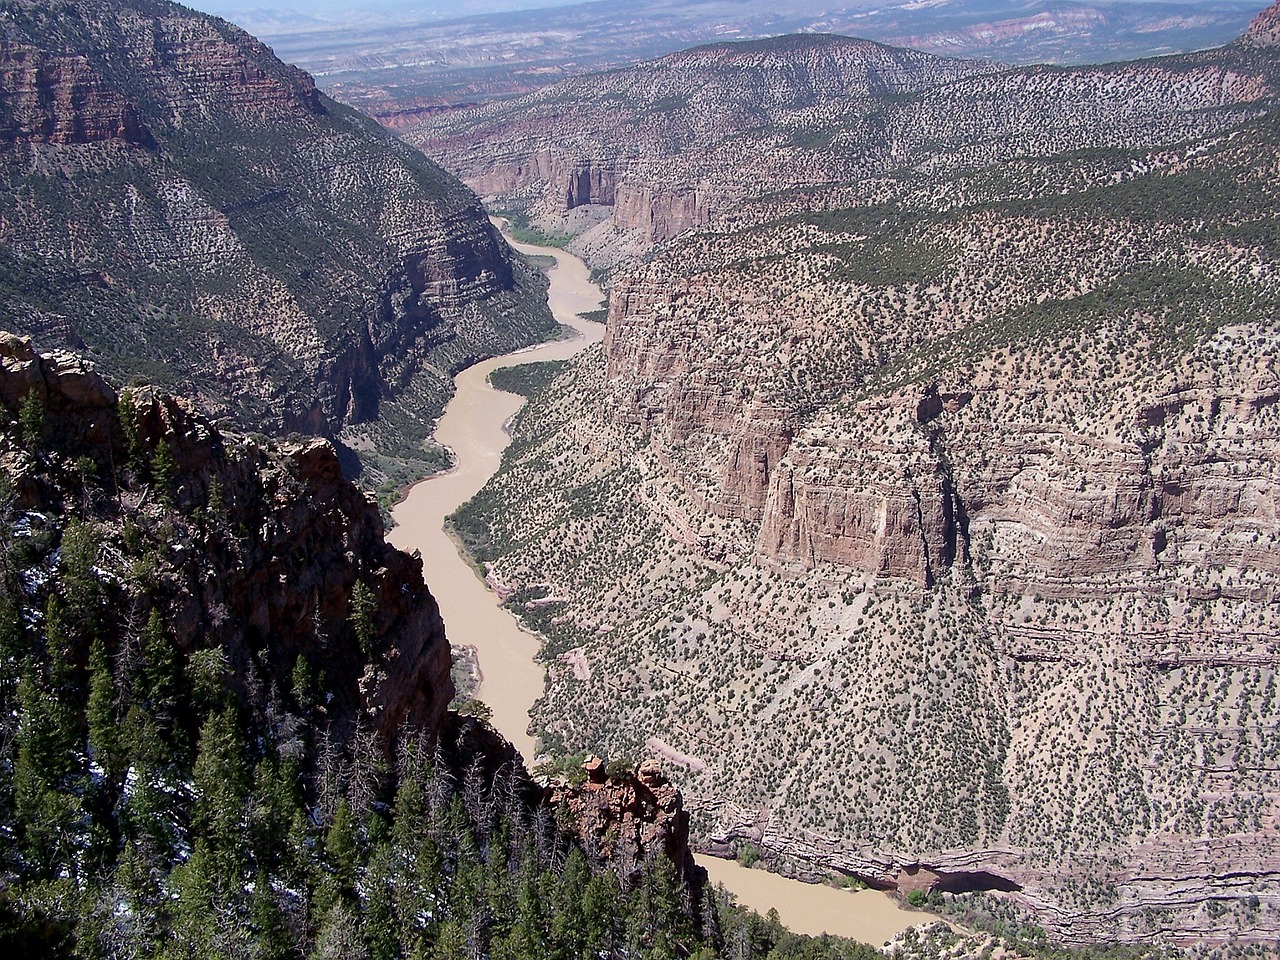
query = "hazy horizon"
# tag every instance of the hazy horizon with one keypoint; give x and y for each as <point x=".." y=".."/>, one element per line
<point x="301" y="14"/>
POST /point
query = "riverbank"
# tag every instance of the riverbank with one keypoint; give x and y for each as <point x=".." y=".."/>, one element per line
<point x="870" y="916"/>
<point x="474" y="427"/>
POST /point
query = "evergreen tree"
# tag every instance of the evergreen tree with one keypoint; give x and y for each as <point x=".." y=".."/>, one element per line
<point x="104" y="732"/>
<point x="267" y="922"/>
<point x="381" y="931"/>
<point x="342" y="857"/>
<point x="81" y="590"/>
<point x="48" y="817"/>
<point x="363" y="609"/>
<point x="220" y="781"/>
<point x="164" y="471"/>
<point x="31" y="422"/>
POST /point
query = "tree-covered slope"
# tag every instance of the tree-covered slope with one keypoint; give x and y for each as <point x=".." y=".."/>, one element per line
<point x="223" y="728"/>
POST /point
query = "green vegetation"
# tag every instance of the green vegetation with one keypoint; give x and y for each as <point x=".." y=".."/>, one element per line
<point x="173" y="786"/>
<point x="526" y="379"/>
<point x="522" y="230"/>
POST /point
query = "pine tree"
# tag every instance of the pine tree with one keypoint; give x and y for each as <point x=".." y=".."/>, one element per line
<point x="381" y="931"/>
<point x="31" y="422"/>
<point x="363" y="609"/>
<point x="567" y="894"/>
<point x="342" y="856"/>
<point x="220" y="780"/>
<point x="80" y="588"/>
<point x="164" y="470"/>
<point x="162" y="681"/>
<point x="339" y="936"/>
<point x="104" y="732"/>
<point x="200" y="904"/>
<point x="275" y="802"/>
<point x="267" y="922"/>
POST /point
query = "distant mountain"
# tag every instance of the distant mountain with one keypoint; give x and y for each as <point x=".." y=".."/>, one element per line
<point x="396" y="71"/>
<point x="632" y="157"/>
<point x="272" y="17"/>
<point x="183" y="206"/>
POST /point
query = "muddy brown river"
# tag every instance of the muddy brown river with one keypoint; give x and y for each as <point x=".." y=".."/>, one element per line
<point x="474" y="426"/>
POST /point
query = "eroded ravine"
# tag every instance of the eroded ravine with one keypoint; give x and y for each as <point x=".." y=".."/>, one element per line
<point x="474" y="426"/>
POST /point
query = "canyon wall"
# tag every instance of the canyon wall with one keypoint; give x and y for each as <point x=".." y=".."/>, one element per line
<point x="680" y="143"/>
<point x="927" y="527"/>
<point x="188" y="209"/>
<point x="267" y="546"/>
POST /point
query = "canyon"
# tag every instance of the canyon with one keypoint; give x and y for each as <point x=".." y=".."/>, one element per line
<point x="626" y="160"/>
<point x="919" y="507"/>
<point x="225" y="688"/>
<point x="184" y="208"/>
<point x="505" y="656"/>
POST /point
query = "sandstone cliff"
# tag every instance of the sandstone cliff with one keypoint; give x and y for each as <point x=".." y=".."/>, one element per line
<point x="184" y="207"/>
<point x="630" y="819"/>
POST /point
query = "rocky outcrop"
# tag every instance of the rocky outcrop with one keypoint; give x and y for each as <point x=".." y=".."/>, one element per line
<point x="1264" y="31"/>
<point x="631" y="818"/>
<point x="267" y="550"/>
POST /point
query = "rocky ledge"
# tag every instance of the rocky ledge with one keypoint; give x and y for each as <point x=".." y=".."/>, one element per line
<point x="630" y="817"/>
<point x="261" y="551"/>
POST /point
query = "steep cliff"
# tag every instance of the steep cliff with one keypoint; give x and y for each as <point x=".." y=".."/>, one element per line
<point x="264" y="553"/>
<point x="182" y="206"/>
<point x="927" y="525"/>
<point x="224" y="726"/>
<point x="630" y="818"/>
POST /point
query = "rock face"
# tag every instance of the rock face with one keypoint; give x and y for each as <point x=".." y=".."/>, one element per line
<point x="1264" y="31"/>
<point x="930" y="523"/>
<point x="265" y="549"/>
<point x="62" y="100"/>
<point x="630" y="819"/>
<point x="662" y="147"/>
<point x="182" y="206"/>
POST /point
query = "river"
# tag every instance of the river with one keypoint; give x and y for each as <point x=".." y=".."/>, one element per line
<point x="474" y="426"/>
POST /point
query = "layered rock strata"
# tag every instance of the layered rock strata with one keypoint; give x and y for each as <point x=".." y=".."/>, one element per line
<point x="186" y="208"/>
<point x="930" y="529"/>
<point x="679" y="143"/>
